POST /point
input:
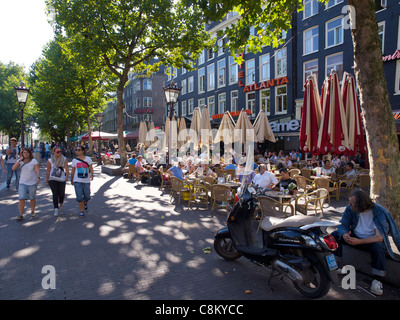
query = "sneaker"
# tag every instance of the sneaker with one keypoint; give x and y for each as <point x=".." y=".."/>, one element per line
<point x="81" y="214"/>
<point x="55" y="212"/>
<point x="377" y="287"/>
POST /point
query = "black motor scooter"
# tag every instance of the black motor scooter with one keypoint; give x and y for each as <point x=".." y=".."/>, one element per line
<point x="297" y="247"/>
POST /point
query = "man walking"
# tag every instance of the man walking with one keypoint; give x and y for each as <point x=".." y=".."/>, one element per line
<point x="12" y="155"/>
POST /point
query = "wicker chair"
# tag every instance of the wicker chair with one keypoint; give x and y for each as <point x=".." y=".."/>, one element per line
<point x="224" y="194"/>
<point x="210" y="180"/>
<point x="363" y="181"/>
<point x="346" y="185"/>
<point x="273" y="208"/>
<point x="231" y="172"/>
<point x="198" y="194"/>
<point x="303" y="183"/>
<point x="133" y="173"/>
<point x="327" y="184"/>
<point x="293" y="172"/>
<point x="313" y="201"/>
<point x="306" y="173"/>
<point x="177" y="188"/>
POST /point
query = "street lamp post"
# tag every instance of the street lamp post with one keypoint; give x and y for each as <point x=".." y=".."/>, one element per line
<point x="22" y="96"/>
<point x="31" y="123"/>
<point x="171" y="95"/>
<point x="99" y="119"/>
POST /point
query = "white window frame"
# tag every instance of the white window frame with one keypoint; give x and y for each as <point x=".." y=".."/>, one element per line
<point x="147" y="102"/>
<point x="211" y="77"/>
<point x="234" y="100"/>
<point x="184" y="108"/>
<point x="335" y="64"/>
<point x="202" y="57"/>
<point x="221" y="65"/>
<point x="314" y="7"/>
<point x="382" y="23"/>
<point x="251" y="103"/>
<point x="313" y="70"/>
<point x="267" y="98"/>
<point x="222" y="102"/>
<point x="250" y="71"/>
<point x="221" y="46"/>
<point x="210" y="54"/>
<point x="338" y="32"/>
<point x="310" y="38"/>
<point x="265" y="67"/>
<point x="211" y="105"/>
<point x="233" y="70"/>
<point x="190" y="106"/>
<point x="277" y="98"/>
<point x="147" y="84"/>
<point x="334" y="3"/>
<point x="183" y="87"/>
<point x="190" y="84"/>
<point x="201" y="102"/>
<point x="201" y="80"/>
<point x="279" y="60"/>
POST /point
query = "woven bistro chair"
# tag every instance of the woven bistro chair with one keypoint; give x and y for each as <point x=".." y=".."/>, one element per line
<point x="306" y="173"/>
<point x="346" y="185"/>
<point x="178" y="187"/>
<point x="363" y="181"/>
<point x="271" y="207"/>
<point x="223" y="194"/>
<point x="210" y="180"/>
<point x="303" y="184"/>
<point x="328" y="184"/>
<point x="231" y="172"/>
<point x="133" y="173"/>
<point x="198" y="194"/>
<point x="313" y="202"/>
<point x="293" y="172"/>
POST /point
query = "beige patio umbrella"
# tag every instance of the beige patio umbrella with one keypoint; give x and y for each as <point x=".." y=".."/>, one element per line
<point x="195" y="127"/>
<point x="263" y="128"/>
<point x="205" y="128"/>
<point x="226" y="128"/>
<point x="244" y="130"/>
<point x="151" y="134"/>
<point x="170" y="133"/>
<point x="142" y="132"/>
<point x="182" y="132"/>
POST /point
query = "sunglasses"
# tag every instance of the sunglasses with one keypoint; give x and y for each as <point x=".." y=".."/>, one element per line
<point x="57" y="152"/>
<point x="78" y="149"/>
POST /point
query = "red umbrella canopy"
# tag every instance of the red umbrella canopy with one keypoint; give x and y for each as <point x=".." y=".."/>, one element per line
<point x="333" y="133"/>
<point x="353" y="116"/>
<point x="310" y="117"/>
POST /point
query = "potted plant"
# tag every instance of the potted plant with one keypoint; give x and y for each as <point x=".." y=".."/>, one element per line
<point x="291" y="187"/>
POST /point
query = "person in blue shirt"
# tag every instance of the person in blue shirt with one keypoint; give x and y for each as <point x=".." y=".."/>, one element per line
<point x="231" y="166"/>
<point x="366" y="225"/>
<point x="176" y="171"/>
<point x="132" y="160"/>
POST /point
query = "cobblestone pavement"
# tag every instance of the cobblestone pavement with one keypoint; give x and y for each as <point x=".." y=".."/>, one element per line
<point x="133" y="244"/>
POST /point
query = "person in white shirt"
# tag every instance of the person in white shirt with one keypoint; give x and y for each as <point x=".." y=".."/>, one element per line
<point x="265" y="179"/>
<point x="28" y="181"/>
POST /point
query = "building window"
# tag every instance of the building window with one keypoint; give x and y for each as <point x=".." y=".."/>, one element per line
<point x="281" y="63"/>
<point x="221" y="102"/>
<point x="265" y="69"/>
<point x="201" y="102"/>
<point x="381" y="34"/>
<point x="221" y="46"/>
<point x="183" y="108"/>
<point x="147" y="102"/>
<point x="280" y="99"/>
<point x="310" y="41"/>
<point x="202" y="57"/>
<point x="210" y="54"/>
<point x="251" y="102"/>
<point x="221" y="73"/>
<point x="310" y="8"/>
<point x="211" y="105"/>
<point x="265" y="101"/>
<point x="250" y="71"/>
<point x="202" y="80"/>
<point x="137" y="85"/>
<point x="190" y="84"/>
<point x="233" y="70"/>
<point x="183" y="86"/>
<point x="335" y="62"/>
<point x="147" y="84"/>
<point x="334" y="32"/>
<point x="234" y="100"/>
<point x="210" y="77"/>
<point x="397" y="80"/>
<point x="191" y="106"/>
<point x="332" y="3"/>
<point x="310" y="68"/>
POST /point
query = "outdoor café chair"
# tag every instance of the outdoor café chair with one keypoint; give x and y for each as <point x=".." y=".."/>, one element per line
<point x="273" y="208"/>
<point x="363" y="181"/>
<point x="222" y="194"/>
<point x="347" y="184"/>
<point x="306" y="173"/>
<point x="198" y="194"/>
<point x="312" y="202"/>
<point x="331" y="186"/>
<point x="133" y="173"/>
<point x="293" y="172"/>
<point x="303" y="183"/>
<point x="178" y="187"/>
<point x="231" y="172"/>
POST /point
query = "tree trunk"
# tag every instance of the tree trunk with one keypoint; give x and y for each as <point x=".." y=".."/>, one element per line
<point x="89" y="127"/>
<point x="383" y="146"/>
<point x="120" y="123"/>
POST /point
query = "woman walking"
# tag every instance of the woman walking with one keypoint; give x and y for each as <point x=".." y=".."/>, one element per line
<point x="81" y="175"/>
<point x="28" y="181"/>
<point x="56" y="177"/>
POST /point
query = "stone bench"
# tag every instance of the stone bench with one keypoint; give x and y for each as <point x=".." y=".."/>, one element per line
<point x="361" y="260"/>
<point x="113" y="170"/>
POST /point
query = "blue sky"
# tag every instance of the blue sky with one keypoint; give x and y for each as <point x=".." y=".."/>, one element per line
<point x="24" y="31"/>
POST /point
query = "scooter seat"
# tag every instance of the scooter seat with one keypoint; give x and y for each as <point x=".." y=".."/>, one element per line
<point x="269" y="223"/>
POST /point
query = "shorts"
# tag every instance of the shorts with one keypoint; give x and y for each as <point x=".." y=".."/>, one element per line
<point x="82" y="191"/>
<point x="27" y="192"/>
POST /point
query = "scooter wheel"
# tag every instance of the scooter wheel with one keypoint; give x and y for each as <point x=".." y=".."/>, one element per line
<point x="317" y="286"/>
<point x="225" y="248"/>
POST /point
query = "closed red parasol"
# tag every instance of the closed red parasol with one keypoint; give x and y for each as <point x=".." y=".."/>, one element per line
<point x="310" y="117"/>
